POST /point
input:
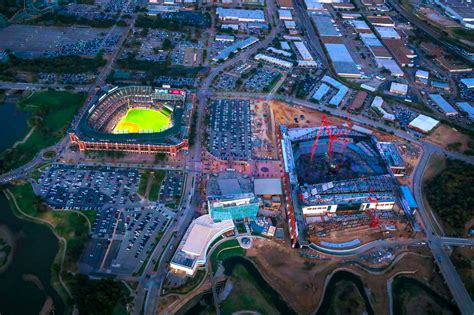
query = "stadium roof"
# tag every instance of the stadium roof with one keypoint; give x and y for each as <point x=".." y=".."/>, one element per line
<point x="447" y="108"/>
<point x="424" y="123"/>
<point x="267" y="186"/>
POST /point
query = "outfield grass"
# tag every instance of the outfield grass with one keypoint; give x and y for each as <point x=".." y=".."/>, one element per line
<point x="142" y="120"/>
<point x="51" y="112"/>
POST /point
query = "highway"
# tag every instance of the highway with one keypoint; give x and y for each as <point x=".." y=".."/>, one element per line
<point x="450" y="275"/>
<point x="432" y="33"/>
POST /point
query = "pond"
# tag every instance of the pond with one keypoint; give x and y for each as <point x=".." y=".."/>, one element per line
<point x="26" y="283"/>
<point x="13" y="123"/>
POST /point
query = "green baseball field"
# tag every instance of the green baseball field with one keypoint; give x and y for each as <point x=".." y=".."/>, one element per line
<point x="143" y="120"/>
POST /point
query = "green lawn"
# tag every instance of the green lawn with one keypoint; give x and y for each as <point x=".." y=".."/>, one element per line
<point x="51" y="112"/>
<point x="225" y="250"/>
<point x="158" y="176"/>
<point x="72" y="226"/>
<point x="142" y="120"/>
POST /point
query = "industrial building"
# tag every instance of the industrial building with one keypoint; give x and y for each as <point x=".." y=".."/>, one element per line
<point x="303" y="51"/>
<point x="233" y="207"/>
<point x="273" y="60"/>
<point x="423" y="123"/>
<point x="240" y="15"/>
<point x="192" y="251"/>
<point x="459" y="10"/>
<point x="468" y="82"/>
<point x="285" y="15"/>
<point x="341" y="90"/>
<point x="241" y="44"/>
<point x="382" y="20"/>
<point x="399" y="88"/>
<point x="445" y="107"/>
<point x="342" y="61"/>
<point x="467" y="108"/>
<point x="377" y="103"/>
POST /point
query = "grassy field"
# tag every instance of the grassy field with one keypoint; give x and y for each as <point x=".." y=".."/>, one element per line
<point x="72" y="226"/>
<point x="142" y="120"/>
<point x="51" y="112"/>
<point x="158" y="177"/>
<point x="246" y="295"/>
<point x="347" y="300"/>
<point x="225" y="250"/>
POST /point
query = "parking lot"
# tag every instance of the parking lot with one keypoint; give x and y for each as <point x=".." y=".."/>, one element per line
<point x="88" y="188"/>
<point x="30" y="41"/>
<point x="226" y="82"/>
<point x="134" y="232"/>
<point x="171" y="187"/>
<point x="230" y="137"/>
<point x="262" y="80"/>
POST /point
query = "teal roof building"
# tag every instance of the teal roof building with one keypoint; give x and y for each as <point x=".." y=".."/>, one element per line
<point x="233" y="207"/>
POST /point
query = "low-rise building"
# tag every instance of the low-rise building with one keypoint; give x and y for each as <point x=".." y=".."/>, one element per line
<point x="285" y="15"/>
<point x="240" y="15"/>
<point x="439" y="101"/>
<point x="192" y="251"/>
<point x="377" y="103"/>
<point x="273" y="60"/>
<point x="423" y="123"/>
<point x="399" y="88"/>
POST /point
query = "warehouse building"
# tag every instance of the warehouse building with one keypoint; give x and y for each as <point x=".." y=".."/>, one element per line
<point x="459" y="10"/>
<point x="399" y="88"/>
<point x="273" y="60"/>
<point x="304" y="52"/>
<point x="447" y="108"/>
<point x="342" y="61"/>
<point x="467" y="108"/>
<point x="423" y="123"/>
<point x="468" y="82"/>
<point x="235" y="47"/>
<point x="377" y="103"/>
<point x="382" y="20"/>
<point x="285" y="15"/>
<point x="240" y="15"/>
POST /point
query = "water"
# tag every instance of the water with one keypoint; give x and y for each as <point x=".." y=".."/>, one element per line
<point x="34" y="251"/>
<point x="329" y="292"/>
<point x="13" y="123"/>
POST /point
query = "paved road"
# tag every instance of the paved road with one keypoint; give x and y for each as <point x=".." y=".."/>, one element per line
<point x="450" y="275"/>
<point x="39" y="86"/>
<point x="434" y="35"/>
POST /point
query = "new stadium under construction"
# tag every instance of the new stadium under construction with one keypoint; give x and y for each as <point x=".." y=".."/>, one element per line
<point x="139" y="119"/>
<point x="336" y="172"/>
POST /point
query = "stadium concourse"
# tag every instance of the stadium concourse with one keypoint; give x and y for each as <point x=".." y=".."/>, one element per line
<point x="138" y="119"/>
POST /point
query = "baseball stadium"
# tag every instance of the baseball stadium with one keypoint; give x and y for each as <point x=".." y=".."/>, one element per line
<point x="136" y="119"/>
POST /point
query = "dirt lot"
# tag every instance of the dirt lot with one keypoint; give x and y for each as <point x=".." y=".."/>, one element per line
<point x="444" y="135"/>
<point x="285" y="114"/>
<point x="301" y="281"/>
<point x="263" y="129"/>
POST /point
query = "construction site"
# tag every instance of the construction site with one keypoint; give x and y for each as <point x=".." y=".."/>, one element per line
<point x="343" y="187"/>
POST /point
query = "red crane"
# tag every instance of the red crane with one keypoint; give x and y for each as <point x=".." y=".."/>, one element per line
<point x="374" y="220"/>
<point x="341" y="137"/>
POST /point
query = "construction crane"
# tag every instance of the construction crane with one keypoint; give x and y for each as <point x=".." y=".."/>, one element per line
<point x="342" y="137"/>
<point x="374" y="220"/>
